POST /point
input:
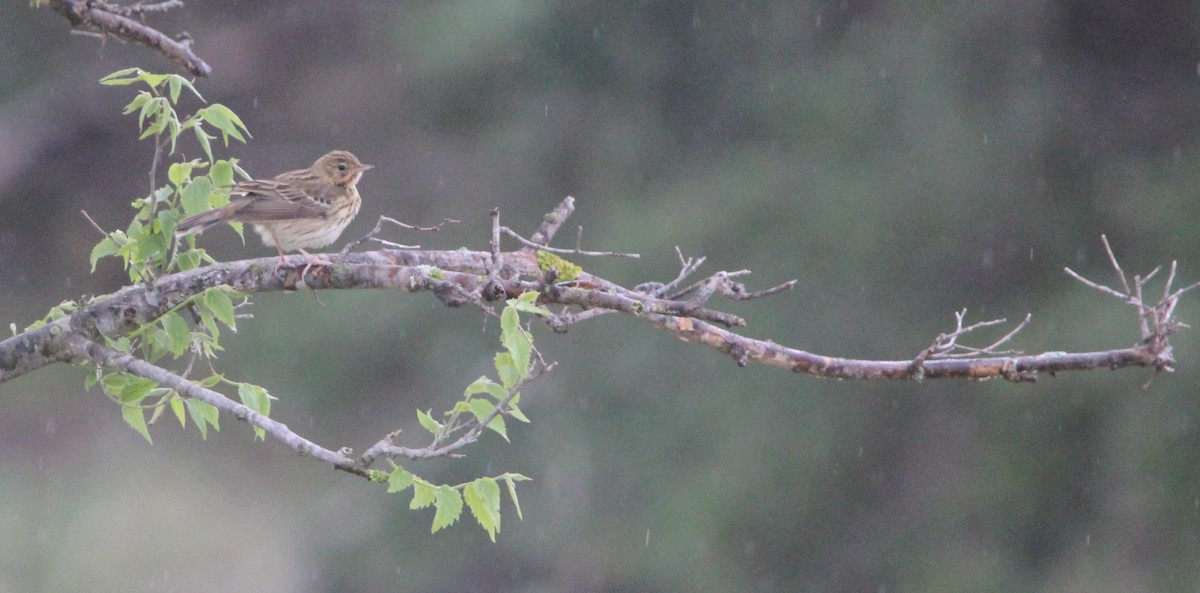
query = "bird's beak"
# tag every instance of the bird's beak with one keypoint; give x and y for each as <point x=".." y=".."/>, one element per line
<point x="364" y="166"/>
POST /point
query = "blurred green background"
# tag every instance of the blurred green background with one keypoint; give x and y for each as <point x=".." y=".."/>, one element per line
<point x="902" y="160"/>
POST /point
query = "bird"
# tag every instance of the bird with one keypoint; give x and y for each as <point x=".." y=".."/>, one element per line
<point x="297" y="210"/>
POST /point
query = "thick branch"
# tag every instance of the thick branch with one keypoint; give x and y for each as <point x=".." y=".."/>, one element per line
<point x="107" y="20"/>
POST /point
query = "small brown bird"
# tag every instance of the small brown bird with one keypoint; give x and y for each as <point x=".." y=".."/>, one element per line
<point x="305" y="208"/>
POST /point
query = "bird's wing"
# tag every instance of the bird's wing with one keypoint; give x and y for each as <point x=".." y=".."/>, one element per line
<point x="266" y="200"/>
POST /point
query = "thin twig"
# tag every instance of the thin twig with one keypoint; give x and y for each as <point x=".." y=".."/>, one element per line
<point x="1112" y="259"/>
<point x="94" y="225"/>
<point x="577" y="251"/>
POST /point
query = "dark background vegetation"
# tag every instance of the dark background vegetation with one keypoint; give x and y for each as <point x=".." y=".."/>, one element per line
<point x="901" y="160"/>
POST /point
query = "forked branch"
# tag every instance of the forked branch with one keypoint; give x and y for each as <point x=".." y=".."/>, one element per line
<point x="462" y="276"/>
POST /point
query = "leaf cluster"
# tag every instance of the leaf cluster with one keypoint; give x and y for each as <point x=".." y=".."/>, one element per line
<point x="148" y="248"/>
<point x="471" y="414"/>
<point x="190" y="331"/>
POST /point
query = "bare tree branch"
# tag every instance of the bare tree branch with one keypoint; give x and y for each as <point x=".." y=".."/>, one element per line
<point x="112" y="20"/>
<point x="462" y="277"/>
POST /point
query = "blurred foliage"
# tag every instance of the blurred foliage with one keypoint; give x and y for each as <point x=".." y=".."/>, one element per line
<point x="903" y="161"/>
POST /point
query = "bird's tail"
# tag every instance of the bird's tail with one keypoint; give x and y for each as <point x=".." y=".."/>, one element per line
<point x="203" y="221"/>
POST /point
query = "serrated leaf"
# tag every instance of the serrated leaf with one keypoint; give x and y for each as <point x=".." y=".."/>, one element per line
<point x="134" y="389"/>
<point x="104" y="248"/>
<point x="202" y="415"/>
<point x="194" y="197"/>
<point x="516" y="412"/>
<point x="167" y="217"/>
<point x="515" y="340"/>
<point x="483" y="498"/>
<point x="488" y="386"/>
<point x="180" y="411"/>
<point x="202" y="137"/>
<point x="210" y="324"/>
<point x="188" y="260"/>
<point x="449" y="505"/>
<point x="136" y="419"/>
<point x="221" y="173"/>
<point x="256" y="398"/>
<point x="225" y="121"/>
<point x="527" y="303"/>
<point x="428" y="423"/>
<point x="178" y="333"/>
<point x="221" y="306"/>
<point x="188" y="84"/>
<point x="510" y="375"/>
<point x="399" y="479"/>
<point x="480" y="408"/>
<point x="179" y="173"/>
<point x="423" y="495"/>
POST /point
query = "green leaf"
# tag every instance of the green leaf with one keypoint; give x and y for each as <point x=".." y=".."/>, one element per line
<point x="136" y="419"/>
<point x="509" y="479"/>
<point x="210" y="324"/>
<point x="399" y="479"/>
<point x="89" y="381"/>
<point x="132" y="389"/>
<point x="188" y="84"/>
<point x="423" y="495"/>
<point x="256" y="398"/>
<point x="483" y="498"/>
<point x="180" y="411"/>
<point x="203" y="414"/>
<point x="481" y="408"/>
<point x="429" y="423"/>
<point x="221" y="306"/>
<point x="225" y="121"/>
<point x="179" y="173"/>
<point x="154" y="80"/>
<point x="122" y="77"/>
<point x="178" y="333"/>
<point x="449" y="505"/>
<point x="510" y="375"/>
<point x="221" y="173"/>
<point x="106" y="247"/>
<point x="514" y="411"/>
<point x="202" y="137"/>
<point x="137" y="103"/>
<point x="167" y="217"/>
<point x="488" y="386"/>
<point x="188" y="260"/>
<point x="156" y="109"/>
<point x="174" y="85"/>
<point x="516" y="341"/>
<point x="195" y="196"/>
<point x="527" y="303"/>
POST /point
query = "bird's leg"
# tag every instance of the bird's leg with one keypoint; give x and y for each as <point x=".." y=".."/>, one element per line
<point x="275" y="240"/>
<point x="312" y="261"/>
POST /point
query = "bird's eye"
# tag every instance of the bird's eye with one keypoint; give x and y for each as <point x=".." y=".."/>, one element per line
<point x="342" y="167"/>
